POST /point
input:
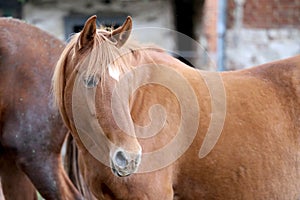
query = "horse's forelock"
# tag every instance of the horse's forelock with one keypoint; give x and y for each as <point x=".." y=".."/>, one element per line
<point x="104" y="54"/>
<point x="96" y="60"/>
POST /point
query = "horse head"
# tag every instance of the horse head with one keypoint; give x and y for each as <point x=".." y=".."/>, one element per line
<point x="84" y="85"/>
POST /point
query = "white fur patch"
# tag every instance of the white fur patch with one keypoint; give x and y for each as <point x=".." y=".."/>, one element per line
<point x="114" y="72"/>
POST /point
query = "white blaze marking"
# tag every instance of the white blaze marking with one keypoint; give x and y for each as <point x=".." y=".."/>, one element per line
<point x="113" y="72"/>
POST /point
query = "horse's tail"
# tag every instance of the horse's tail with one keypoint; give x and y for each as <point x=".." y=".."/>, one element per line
<point x="73" y="170"/>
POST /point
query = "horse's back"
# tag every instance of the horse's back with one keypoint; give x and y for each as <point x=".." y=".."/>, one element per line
<point x="28" y="56"/>
<point x="276" y="83"/>
<point x="257" y="154"/>
<point x="25" y="47"/>
<point x="284" y="74"/>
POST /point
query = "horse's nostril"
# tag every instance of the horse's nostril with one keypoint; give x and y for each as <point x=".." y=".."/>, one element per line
<point x="121" y="159"/>
<point x="125" y="163"/>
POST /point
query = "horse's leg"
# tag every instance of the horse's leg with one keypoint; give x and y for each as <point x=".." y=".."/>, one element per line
<point x="15" y="183"/>
<point x="46" y="172"/>
<point x="1" y="192"/>
<point x="37" y="154"/>
<point x="43" y="165"/>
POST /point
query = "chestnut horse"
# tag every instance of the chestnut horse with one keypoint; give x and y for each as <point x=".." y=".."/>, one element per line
<point x="149" y="127"/>
<point x="32" y="132"/>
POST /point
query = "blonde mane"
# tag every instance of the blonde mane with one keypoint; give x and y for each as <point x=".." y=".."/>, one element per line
<point x="96" y="61"/>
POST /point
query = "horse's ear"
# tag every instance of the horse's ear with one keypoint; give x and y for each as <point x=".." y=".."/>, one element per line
<point x="87" y="35"/>
<point x="122" y="33"/>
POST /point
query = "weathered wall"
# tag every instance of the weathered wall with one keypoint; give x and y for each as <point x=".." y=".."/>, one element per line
<point x="49" y="16"/>
<point x="260" y="31"/>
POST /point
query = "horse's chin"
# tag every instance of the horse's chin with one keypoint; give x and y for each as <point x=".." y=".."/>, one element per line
<point x="119" y="173"/>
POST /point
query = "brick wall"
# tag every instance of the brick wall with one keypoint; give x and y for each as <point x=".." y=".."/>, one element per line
<point x="266" y="13"/>
<point x="230" y="13"/>
<point x="210" y="24"/>
<point x="271" y="13"/>
<point x="260" y="31"/>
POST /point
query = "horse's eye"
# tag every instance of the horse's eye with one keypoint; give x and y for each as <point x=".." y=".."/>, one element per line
<point x="91" y="81"/>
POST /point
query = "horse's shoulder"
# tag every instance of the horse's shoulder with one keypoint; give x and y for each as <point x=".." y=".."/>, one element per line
<point x="284" y="76"/>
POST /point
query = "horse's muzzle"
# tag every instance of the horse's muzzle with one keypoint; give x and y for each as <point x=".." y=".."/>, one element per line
<point x="125" y="163"/>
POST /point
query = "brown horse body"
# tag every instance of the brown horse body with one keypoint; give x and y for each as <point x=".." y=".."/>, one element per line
<point x="31" y="129"/>
<point x="256" y="155"/>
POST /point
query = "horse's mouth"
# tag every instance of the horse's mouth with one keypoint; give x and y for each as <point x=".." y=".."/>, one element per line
<point x="123" y="172"/>
<point x="118" y="173"/>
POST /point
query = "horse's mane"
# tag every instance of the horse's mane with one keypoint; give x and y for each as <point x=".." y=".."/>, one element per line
<point x="104" y="55"/>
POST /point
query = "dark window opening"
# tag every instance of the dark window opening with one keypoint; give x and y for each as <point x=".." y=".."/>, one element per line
<point x="74" y="22"/>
